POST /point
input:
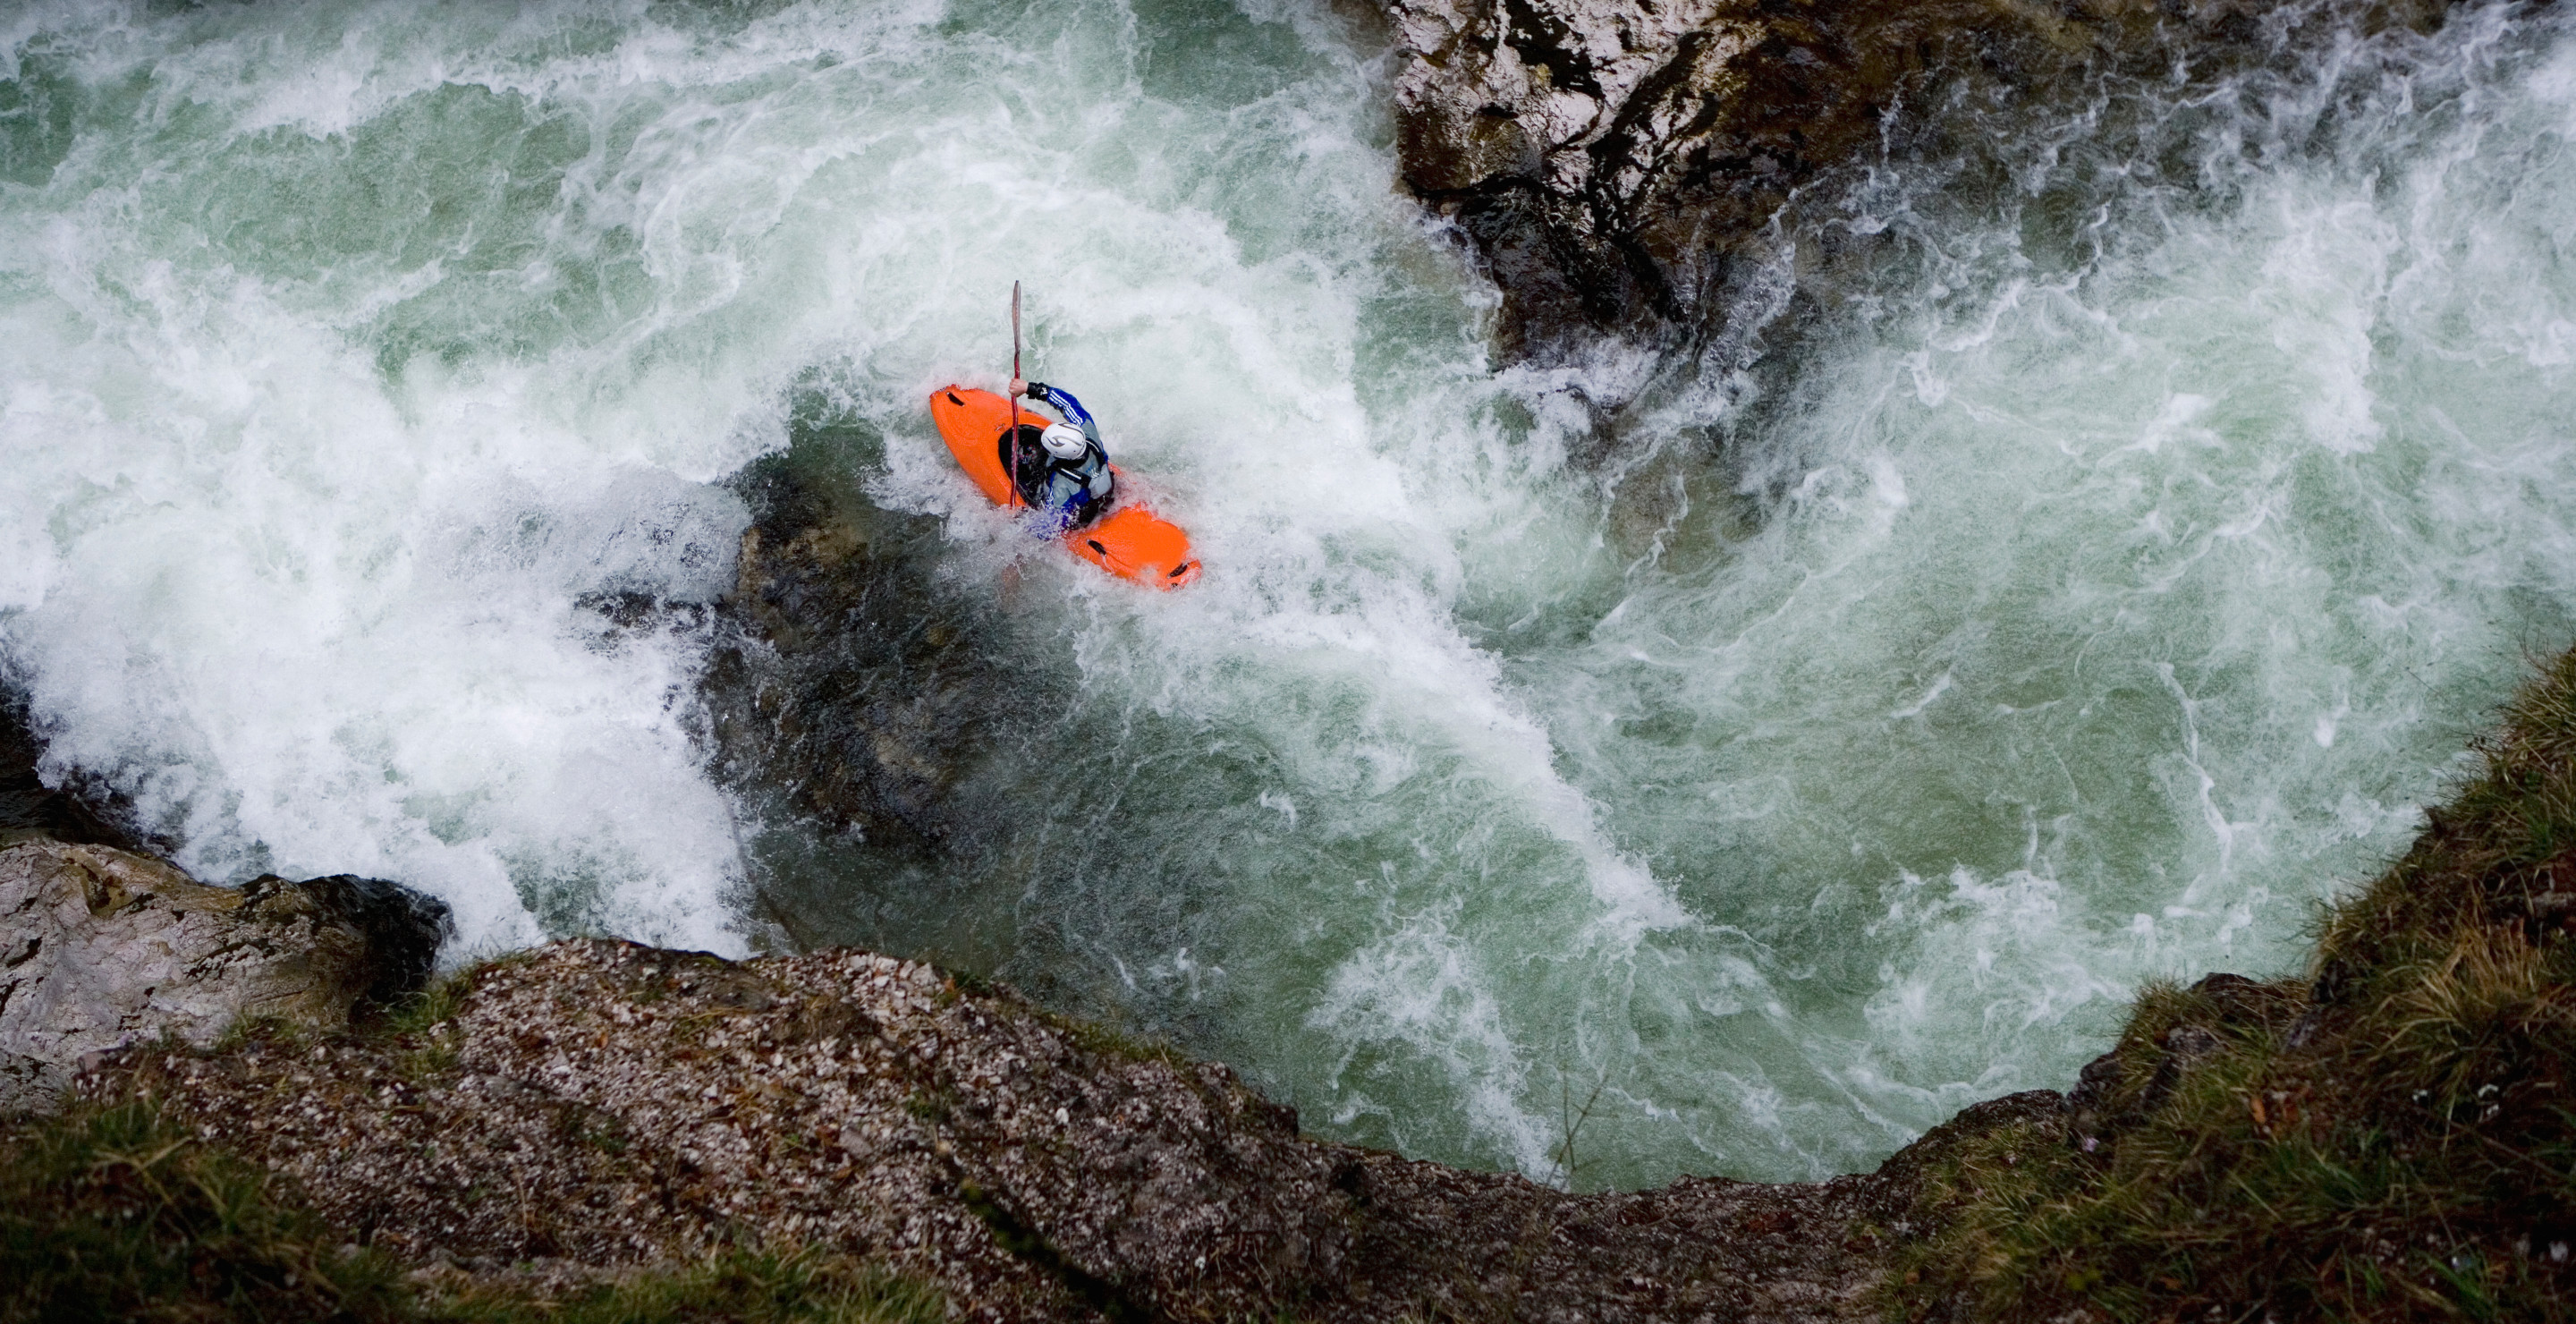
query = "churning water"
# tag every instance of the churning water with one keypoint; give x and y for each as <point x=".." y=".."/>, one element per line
<point x="2111" y="576"/>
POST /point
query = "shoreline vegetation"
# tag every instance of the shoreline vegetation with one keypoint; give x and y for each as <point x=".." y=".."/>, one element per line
<point x="600" y="1130"/>
<point x="2392" y="1137"/>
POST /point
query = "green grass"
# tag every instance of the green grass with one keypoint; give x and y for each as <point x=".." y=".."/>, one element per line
<point x="431" y="1006"/>
<point x="744" y="1286"/>
<point x="414" y="1025"/>
<point x="109" y="1212"/>
<point x="2393" y="1138"/>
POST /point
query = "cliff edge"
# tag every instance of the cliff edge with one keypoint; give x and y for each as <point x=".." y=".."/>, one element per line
<point x="597" y="1107"/>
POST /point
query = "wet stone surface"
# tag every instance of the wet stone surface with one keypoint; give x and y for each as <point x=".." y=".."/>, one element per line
<point x="101" y="948"/>
<point x="844" y="686"/>
<point x="1631" y="168"/>
<point x="29" y="809"/>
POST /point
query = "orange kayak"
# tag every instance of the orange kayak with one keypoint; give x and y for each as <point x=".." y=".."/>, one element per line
<point x="1130" y="541"/>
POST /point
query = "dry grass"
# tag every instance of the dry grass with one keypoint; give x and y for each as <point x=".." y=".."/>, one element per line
<point x="2390" y="1139"/>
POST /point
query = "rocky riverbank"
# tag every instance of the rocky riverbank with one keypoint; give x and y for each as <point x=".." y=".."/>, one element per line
<point x="1636" y="169"/>
<point x="596" y="1105"/>
<point x="594" y="1110"/>
<point x="101" y="948"/>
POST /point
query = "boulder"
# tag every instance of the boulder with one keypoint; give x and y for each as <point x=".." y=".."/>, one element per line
<point x="100" y="948"/>
<point x="849" y="686"/>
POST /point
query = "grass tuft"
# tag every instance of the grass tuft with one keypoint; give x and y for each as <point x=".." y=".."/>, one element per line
<point x="1102" y="1041"/>
<point x="750" y="1287"/>
<point x="112" y="1213"/>
<point x="431" y="1006"/>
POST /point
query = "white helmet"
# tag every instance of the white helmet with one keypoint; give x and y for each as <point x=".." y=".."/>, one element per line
<point x="1063" y="441"/>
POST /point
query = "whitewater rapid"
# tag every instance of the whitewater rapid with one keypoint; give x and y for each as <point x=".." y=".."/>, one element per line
<point x="2098" y="589"/>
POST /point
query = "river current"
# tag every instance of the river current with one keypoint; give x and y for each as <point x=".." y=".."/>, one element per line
<point x="2102" y="580"/>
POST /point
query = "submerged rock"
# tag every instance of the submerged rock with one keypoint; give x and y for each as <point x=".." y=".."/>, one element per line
<point x="845" y="690"/>
<point x="29" y="809"/>
<point x="101" y="948"/>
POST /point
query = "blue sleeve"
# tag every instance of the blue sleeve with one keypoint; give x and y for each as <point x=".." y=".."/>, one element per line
<point x="1063" y="399"/>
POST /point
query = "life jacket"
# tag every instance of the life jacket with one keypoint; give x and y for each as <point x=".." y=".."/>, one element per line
<point x="1074" y="491"/>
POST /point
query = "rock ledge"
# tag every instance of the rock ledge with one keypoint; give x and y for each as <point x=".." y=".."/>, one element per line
<point x="101" y="948"/>
<point x="596" y="1106"/>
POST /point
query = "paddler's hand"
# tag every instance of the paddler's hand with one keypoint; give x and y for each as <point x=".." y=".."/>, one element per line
<point x="1019" y="387"/>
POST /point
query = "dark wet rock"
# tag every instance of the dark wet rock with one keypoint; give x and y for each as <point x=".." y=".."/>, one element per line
<point x="29" y="809"/>
<point x="2097" y="1083"/>
<point x="403" y="929"/>
<point x="101" y="948"/>
<point x="2185" y="1047"/>
<point x="2091" y="1107"/>
<point x="847" y="689"/>
<point x="2243" y="1001"/>
<point x="1620" y="165"/>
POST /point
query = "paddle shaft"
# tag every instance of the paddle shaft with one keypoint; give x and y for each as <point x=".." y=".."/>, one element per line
<point x="1015" y="390"/>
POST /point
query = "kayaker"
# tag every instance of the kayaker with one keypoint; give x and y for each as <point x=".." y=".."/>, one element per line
<point x="1066" y="475"/>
